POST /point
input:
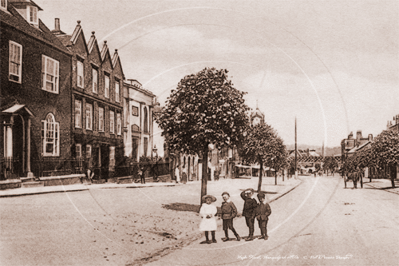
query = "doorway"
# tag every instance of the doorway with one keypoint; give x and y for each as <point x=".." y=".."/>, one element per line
<point x="104" y="160"/>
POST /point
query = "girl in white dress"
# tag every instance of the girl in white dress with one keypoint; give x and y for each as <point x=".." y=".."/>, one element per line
<point x="208" y="215"/>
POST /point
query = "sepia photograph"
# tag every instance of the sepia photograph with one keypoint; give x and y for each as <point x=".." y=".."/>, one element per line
<point x="199" y="132"/>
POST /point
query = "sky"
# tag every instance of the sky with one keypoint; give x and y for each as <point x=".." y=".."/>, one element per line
<point x="331" y="65"/>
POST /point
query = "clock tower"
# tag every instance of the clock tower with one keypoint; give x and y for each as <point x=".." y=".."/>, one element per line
<point x="257" y="117"/>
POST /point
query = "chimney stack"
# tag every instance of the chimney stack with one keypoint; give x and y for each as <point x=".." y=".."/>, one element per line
<point x="57" y="24"/>
<point x="358" y="135"/>
<point x="370" y="137"/>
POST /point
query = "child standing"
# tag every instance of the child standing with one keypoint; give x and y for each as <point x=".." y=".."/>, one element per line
<point x="229" y="212"/>
<point x="248" y="212"/>
<point x="262" y="214"/>
<point x="208" y="223"/>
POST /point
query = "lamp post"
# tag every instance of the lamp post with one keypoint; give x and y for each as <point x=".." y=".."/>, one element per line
<point x="155" y="168"/>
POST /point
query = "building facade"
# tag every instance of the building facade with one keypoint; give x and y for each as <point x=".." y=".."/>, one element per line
<point x="97" y="103"/>
<point x="35" y="94"/>
<point x="351" y="144"/>
<point x="394" y="124"/>
<point x="139" y="127"/>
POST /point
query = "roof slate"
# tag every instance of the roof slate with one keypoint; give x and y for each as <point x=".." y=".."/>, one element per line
<point x="15" y="20"/>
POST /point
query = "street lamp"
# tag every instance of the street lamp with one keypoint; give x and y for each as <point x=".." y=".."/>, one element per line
<point x="155" y="170"/>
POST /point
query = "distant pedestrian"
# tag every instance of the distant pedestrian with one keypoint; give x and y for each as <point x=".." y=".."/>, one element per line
<point x="184" y="177"/>
<point x="248" y="212"/>
<point x="89" y="175"/>
<point x="262" y="213"/>
<point x="208" y="215"/>
<point x="141" y="174"/>
<point x="229" y="212"/>
<point x="177" y="174"/>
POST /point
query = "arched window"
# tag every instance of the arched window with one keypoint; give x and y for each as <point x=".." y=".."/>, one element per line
<point x="50" y="136"/>
<point x="145" y="120"/>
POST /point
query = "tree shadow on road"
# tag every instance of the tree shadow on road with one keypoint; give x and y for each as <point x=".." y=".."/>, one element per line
<point x="185" y="207"/>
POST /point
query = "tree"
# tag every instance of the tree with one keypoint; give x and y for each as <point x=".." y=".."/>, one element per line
<point x="332" y="164"/>
<point x="262" y="145"/>
<point x="204" y="109"/>
<point x="280" y="156"/>
<point x="385" y="150"/>
<point x="317" y="167"/>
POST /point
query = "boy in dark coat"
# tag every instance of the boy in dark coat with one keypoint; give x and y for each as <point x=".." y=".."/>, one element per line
<point x="262" y="213"/>
<point x="248" y="212"/>
<point x="229" y="212"/>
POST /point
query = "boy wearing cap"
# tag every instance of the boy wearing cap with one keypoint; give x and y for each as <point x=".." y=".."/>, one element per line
<point x="262" y="213"/>
<point x="248" y="212"/>
<point x="229" y="212"/>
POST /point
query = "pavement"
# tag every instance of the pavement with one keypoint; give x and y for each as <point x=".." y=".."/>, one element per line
<point x="223" y="184"/>
<point x="77" y="187"/>
<point x="383" y="184"/>
<point x="289" y="184"/>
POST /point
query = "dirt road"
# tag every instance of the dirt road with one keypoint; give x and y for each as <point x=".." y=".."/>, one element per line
<point x="114" y="226"/>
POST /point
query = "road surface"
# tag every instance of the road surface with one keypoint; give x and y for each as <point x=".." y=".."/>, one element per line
<point x="318" y="223"/>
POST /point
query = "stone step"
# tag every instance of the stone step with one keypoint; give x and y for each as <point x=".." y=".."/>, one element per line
<point x="32" y="184"/>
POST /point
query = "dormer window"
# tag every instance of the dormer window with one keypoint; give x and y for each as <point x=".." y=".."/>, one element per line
<point x="32" y="14"/>
<point x="3" y="4"/>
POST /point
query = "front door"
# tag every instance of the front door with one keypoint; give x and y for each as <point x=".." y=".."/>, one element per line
<point x="18" y="146"/>
<point x="104" y="162"/>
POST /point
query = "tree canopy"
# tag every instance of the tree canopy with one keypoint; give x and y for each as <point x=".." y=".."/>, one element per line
<point x="262" y="145"/>
<point x="204" y="109"/>
<point x="386" y="147"/>
<point x="330" y="164"/>
<point x="382" y="152"/>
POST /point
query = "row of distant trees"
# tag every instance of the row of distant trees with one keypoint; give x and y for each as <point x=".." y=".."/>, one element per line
<point x="382" y="157"/>
<point x="205" y="109"/>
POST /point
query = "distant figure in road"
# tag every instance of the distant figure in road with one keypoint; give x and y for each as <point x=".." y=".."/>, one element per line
<point x="208" y="215"/>
<point x="229" y="212"/>
<point x="248" y="212"/>
<point x="262" y="213"/>
<point x="352" y="176"/>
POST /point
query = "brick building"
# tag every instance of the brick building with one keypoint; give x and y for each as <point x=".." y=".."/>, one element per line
<point x="394" y="124"/>
<point x="97" y="102"/>
<point x="351" y="144"/>
<point x="35" y="94"/>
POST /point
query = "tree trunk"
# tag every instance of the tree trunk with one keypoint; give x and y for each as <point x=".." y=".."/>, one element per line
<point x="204" y="181"/>
<point x="392" y="174"/>
<point x="260" y="175"/>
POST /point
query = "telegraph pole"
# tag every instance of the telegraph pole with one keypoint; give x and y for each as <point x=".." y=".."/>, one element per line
<point x="295" y="151"/>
